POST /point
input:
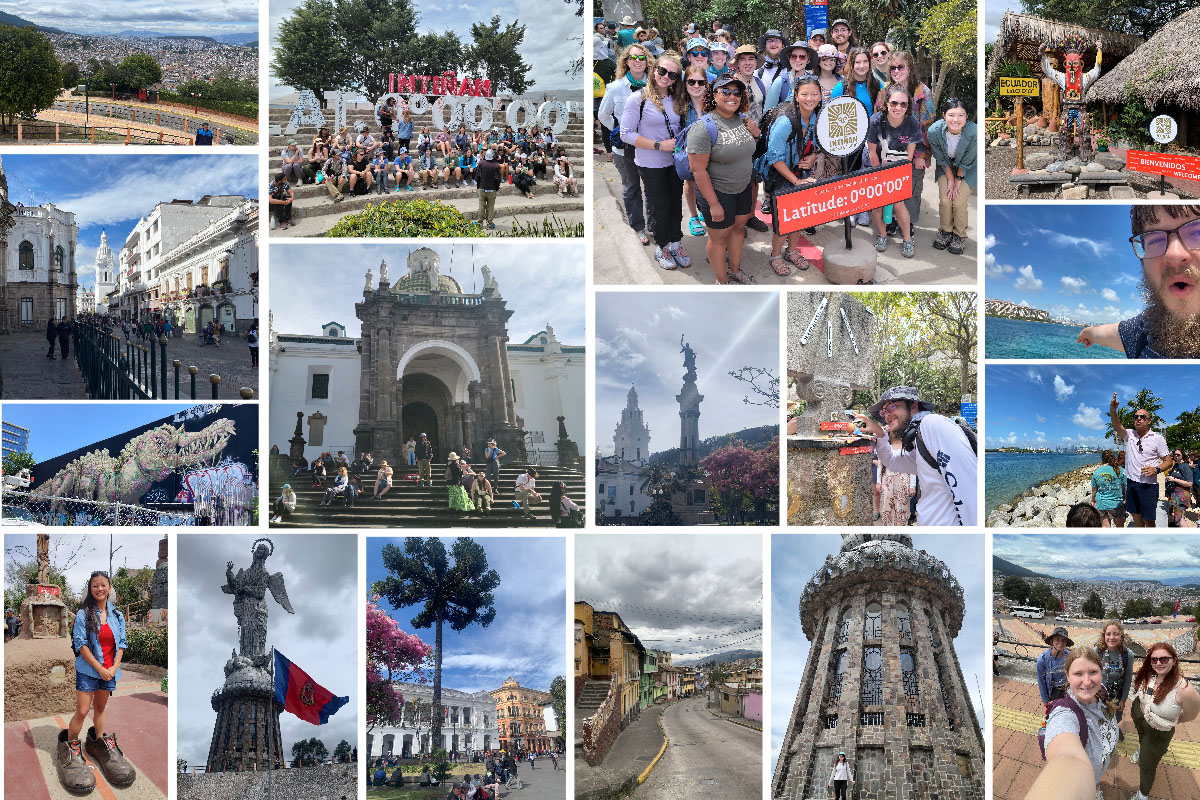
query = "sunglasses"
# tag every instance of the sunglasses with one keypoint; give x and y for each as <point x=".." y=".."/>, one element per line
<point x="725" y="91"/>
<point x="632" y="57"/>
<point x="1141" y="416"/>
<point x="666" y="73"/>
<point x="898" y="104"/>
<point x="897" y="67"/>
<point x="1153" y="244"/>
<point x="700" y="53"/>
<point x="881" y="54"/>
<point x="1161" y="659"/>
<point x="803" y="79"/>
<point x="697" y="82"/>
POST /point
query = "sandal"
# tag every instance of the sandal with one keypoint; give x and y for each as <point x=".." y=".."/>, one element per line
<point x="798" y="261"/>
<point x="739" y="277"/>
<point x="643" y="238"/>
<point x="696" y="226"/>
<point x="781" y="268"/>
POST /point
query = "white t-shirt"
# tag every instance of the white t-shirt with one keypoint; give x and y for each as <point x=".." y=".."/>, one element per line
<point x="526" y="482"/>
<point x="948" y="496"/>
<point x="952" y="140"/>
<point x="1153" y="449"/>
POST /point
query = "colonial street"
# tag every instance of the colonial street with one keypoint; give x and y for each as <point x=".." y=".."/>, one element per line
<point x="542" y="783"/>
<point x="718" y="759"/>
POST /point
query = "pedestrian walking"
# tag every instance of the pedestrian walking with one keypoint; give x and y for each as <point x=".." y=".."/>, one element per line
<point x="64" y="338"/>
<point x="252" y="340"/>
<point x="51" y="337"/>
<point x="840" y="776"/>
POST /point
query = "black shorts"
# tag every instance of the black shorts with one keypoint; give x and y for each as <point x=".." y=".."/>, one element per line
<point x="735" y="205"/>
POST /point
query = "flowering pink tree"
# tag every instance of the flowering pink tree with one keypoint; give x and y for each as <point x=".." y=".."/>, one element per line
<point x="744" y="480"/>
<point x="392" y="655"/>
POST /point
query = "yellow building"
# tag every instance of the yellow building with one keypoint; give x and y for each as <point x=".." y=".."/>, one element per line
<point x="625" y="653"/>
<point x="584" y="634"/>
<point x="520" y="717"/>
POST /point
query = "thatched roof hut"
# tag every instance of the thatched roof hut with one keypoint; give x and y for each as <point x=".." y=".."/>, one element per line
<point x="1164" y="71"/>
<point x="1022" y="34"/>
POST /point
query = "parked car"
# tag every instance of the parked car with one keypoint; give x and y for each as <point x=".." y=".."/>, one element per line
<point x="1156" y="621"/>
<point x="1141" y="622"/>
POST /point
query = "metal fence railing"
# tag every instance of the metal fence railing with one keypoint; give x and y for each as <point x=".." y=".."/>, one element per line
<point x="43" y="509"/>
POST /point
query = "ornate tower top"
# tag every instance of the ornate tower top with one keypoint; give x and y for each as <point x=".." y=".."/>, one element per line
<point x="424" y="275"/>
<point x="631" y="439"/>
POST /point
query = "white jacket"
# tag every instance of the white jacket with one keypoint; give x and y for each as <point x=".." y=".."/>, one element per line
<point x="613" y="105"/>
<point x="948" y="495"/>
<point x="841" y="772"/>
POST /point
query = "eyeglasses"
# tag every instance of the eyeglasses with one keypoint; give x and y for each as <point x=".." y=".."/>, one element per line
<point x="697" y="82"/>
<point x="890" y="408"/>
<point x="897" y="67"/>
<point x="666" y="73"/>
<point x="700" y="53"/>
<point x="632" y="57"/>
<point x="898" y="103"/>
<point x="1161" y="659"/>
<point x="1153" y="244"/>
<point x="726" y="91"/>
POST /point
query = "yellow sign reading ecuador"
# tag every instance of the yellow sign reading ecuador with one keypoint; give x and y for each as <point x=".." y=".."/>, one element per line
<point x="1020" y="86"/>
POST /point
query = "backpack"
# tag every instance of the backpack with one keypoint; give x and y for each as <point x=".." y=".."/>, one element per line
<point x="923" y="449"/>
<point x="614" y="136"/>
<point x="762" y="168"/>
<point x="683" y="167"/>
<point x="1068" y="702"/>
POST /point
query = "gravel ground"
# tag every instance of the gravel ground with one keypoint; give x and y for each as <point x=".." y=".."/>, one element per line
<point x="999" y="162"/>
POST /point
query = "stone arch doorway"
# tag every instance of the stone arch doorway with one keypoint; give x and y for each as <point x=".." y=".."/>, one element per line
<point x="417" y="418"/>
<point x="204" y="315"/>
<point x="228" y="317"/>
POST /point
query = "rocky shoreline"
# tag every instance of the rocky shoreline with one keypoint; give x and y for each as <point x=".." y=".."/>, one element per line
<point x="1047" y="503"/>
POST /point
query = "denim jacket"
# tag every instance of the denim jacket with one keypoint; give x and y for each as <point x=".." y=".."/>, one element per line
<point x="81" y="637"/>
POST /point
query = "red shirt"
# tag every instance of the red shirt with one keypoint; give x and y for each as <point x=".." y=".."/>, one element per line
<point x="108" y="646"/>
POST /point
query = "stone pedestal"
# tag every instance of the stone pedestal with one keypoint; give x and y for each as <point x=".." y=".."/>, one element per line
<point x="854" y="267"/>
<point x="43" y="613"/>
<point x="246" y="736"/>
<point x="158" y="588"/>
<point x="691" y="505"/>
<point x="825" y="487"/>
<point x="830" y="351"/>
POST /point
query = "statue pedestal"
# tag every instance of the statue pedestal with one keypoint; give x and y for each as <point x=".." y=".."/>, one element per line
<point x="43" y="614"/>
<point x="852" y="267"/>
<point x="825" y="487"/>
<point x="246" y="737"/>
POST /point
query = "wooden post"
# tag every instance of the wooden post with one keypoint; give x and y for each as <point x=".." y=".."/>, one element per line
<point x="93" y="134"/>
<point x="128" y="131"/>
<point x="56" y="135"/>
<point x="1020" y="132"/>
<point x="160" y="137"/>
<point x="20" y="132"/>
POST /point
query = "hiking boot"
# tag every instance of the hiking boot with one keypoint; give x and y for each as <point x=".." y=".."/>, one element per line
<point x="756" y="224"/>
<point x="73" y="771"/>
<point x="109" y="758"/>
<point x="956" y="244"/>
<point x="663" y="257"/>
<point x="680" y="255"/>
<point x="942" y="240"/>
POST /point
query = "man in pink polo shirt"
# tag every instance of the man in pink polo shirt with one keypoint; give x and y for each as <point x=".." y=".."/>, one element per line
<point x="1146" y="455"/>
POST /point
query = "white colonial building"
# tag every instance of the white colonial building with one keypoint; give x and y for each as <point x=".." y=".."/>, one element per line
<point x="318" y="376"/>
<point x="468" y="725"/>
<point x="105" y="271"/>
<point x="619" y="477"/>
<point x="37" y="267"/>
<point x="193" y="261"/>
<point x="548" y="383"/>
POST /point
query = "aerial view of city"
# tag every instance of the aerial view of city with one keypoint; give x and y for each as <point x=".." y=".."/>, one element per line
<point x="112" y="72"/>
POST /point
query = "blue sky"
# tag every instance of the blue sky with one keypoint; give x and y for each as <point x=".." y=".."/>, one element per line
<point x="112" y="192"/>
<point x="1152" y="558"/>
<point x="196" y="17"/>
<point x="637" y="343"/>
<point x="553" y="34"/>
<point x="794" y="560"/>
<point x="1067" y="404"/>
<point x="1075" y="261"/>
<point x="993" y="13"/>
<point x="540" y="284"/>
<point x="57" y="428"/>
<point x="136" y="550"/>
<point x="527" y="640"/>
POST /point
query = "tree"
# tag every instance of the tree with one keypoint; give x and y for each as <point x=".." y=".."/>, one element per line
<point x="309" y="752"/>
<point x="948" y="34"/>
<point x="434" y="53"/>
<point x="1185" y="433"/>
<point x="376" y="37"/>
<point x="341" y="753"/>
<point x="496" y="55"/>
<point x="308" y="55"/>
<point x="457" y="593"/>
<point x="1093" y="607"/>
<point x="1122" y="16"/>
<point x="558" y="694"/>
<point x="31" y="77"/>
<point x="764" y="386"/>
<point x="1145" y="399"/>
<point x="1044" y="598"/>
<point x="392" y="655"/>
<point x="953" y="321"/>
<point x="14" y="462"/>
<point x="1137" y="607"/>
<point x="140" y="71"/>
<point x="744" y="480"/>
<point x="70" y="75"/>
<point x="1016" y="589"/>
<point x="133" y="588"/>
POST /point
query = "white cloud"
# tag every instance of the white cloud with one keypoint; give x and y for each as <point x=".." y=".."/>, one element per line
<point x="1033" y="375"/>
<point x="994" y="269"/>
<point x="1109" y="295"/>
<point x="1040" y="418"/>
<point x="1028" y="282"/>
<point x="1072" y="285"/>
<point x="1088" y="417"/>
<point x="1097" y="247"/>
<point x="1062" y="390"/>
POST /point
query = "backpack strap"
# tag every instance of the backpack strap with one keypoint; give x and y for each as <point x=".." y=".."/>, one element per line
<point x="711" y="125"/>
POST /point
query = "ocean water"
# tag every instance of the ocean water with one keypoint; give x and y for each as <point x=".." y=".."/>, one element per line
<point x="1020" y="338"/>
<point x="1009" y="474"/>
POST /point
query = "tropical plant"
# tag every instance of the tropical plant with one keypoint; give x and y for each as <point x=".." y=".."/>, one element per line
<point x="1143" y="399"/>
<point x="407" y="218"/>
<point x="146" y="646"/>
<point x="457" y="593"/>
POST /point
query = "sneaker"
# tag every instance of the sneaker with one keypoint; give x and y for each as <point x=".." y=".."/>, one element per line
<point x="864" y="219"/>
<point x="275" y="519"/>
<point x="853" y="220"/>
<point x="408" y="187"/>
<point x="942" y="240"/>
<point x="908" y="249"/>
<point x="108" y="756"/>
<point x="766" y="206"/>
<point x="73" y="771"/>
<point x="663" y="257"/>
<point x="956" y="245"/>
<point x="881" y="243"/>
<point x="893" y="228"/>
<point x="696" y="226"/>
<point x="492" y="225"/>
<point x="1137" y="754"/>
<point x="756" y="224"/>
<point x="680" y="255"/>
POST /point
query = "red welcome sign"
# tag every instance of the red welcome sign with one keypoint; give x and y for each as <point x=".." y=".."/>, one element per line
<point x="1171" y="165"/>
<point x="833" y="198"/>
<point x="50" y="590"/>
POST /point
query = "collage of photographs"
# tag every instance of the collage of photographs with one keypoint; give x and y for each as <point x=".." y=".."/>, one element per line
<point x="919" y="250"/>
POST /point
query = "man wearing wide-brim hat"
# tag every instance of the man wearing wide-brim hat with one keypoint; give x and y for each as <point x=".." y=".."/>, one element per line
<point x="770" y="47"/>
<point x="800" y="59"/>
<point x="1052" y="665"/>
<point x="626" y="33"/>
<point x="934" y="448"/>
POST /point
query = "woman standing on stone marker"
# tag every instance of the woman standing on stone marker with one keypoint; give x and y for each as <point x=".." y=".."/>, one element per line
<point x="455" y="493"/>
<point x="1162" y="698"/>
<point x="840" y="776"/>
<point x="791" y="155"/>
<point x="1077" y="754"/>
<point x="723" y="169"/>
<point x="892" y="136"/>
<point x="98" y="639"/>
<point x="404" y="128"/>
<point x="650" y="127"/>
<point x="1116" y="662"/>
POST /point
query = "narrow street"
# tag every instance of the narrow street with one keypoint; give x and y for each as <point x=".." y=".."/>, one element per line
<point x="717" y="759"/>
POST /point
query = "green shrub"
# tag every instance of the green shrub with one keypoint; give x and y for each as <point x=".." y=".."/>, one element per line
<point x="407" y="218"/>
<point x="549" y="228"/>
<point x="162" y="687"/>
<point x="146" y="646"/>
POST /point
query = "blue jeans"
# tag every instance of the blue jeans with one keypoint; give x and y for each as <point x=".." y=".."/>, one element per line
<point x="86" y="683"/>
<point x="412" y="459"/>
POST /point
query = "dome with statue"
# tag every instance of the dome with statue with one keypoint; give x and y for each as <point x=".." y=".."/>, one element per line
<point x="423" y="275"/>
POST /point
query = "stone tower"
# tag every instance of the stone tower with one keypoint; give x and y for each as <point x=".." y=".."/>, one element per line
<point x="631" y="439"/>
<point x="689" y="398"/>
<point x="106" y="279"/>
<point x="882" y="682"/>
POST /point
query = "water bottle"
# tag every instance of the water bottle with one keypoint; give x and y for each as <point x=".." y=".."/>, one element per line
<point x="887" y="214"/>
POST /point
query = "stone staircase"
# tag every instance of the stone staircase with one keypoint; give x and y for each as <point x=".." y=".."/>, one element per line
<point x="591" y="696"/>
<point x="408" y="506"/>
<point x="315" y="212"/>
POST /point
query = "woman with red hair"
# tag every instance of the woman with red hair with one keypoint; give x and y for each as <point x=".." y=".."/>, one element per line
<point x="1162" y="698"/>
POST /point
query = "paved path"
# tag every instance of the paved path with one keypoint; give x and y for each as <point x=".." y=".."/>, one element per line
<point x="137" y="713"/>
<point x="709" y="756"/>
<point x="622" y="260"/>
<point x="630" y="754"/>
<point x="542" y="783"/>
<point x="231" y="361"/>
<point x="1016" y="716"/>
<point x="27" y="374"/>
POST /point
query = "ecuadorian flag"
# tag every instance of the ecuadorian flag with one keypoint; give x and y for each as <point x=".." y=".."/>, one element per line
<point x="303" y="696"/>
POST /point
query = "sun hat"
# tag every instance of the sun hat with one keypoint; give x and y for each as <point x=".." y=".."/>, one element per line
<point x="771" y="34"/>
<point x="788" y="49"/>
<point x="696" y="42"/>
<point x="728" y="78"/>
<point x="745" y="50"/>
<point x="827" y="50"/>
<point x="909" y="393"/>
<point x="1059" y="631"/>
<point x="453" y="456"/>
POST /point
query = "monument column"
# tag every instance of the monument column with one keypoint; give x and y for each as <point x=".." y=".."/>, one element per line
<point x="689" y="398"/>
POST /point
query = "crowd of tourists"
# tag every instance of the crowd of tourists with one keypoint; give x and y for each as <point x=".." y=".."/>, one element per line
<point x="470" y="489"/>
<point x="724" y="127"/>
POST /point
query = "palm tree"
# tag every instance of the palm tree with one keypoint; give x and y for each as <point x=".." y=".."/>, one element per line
<point x="1143" y="399"/>
<point x="458" y="593"/>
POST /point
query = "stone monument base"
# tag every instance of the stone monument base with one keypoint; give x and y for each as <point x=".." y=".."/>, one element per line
<point x="856" y="266"/>
<point x="157" y="618"/>
<point x="825" y="487"/>
<point x="39" y="678"/>
<point x="328" y="780"/>
<point x="691" y="505"/>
